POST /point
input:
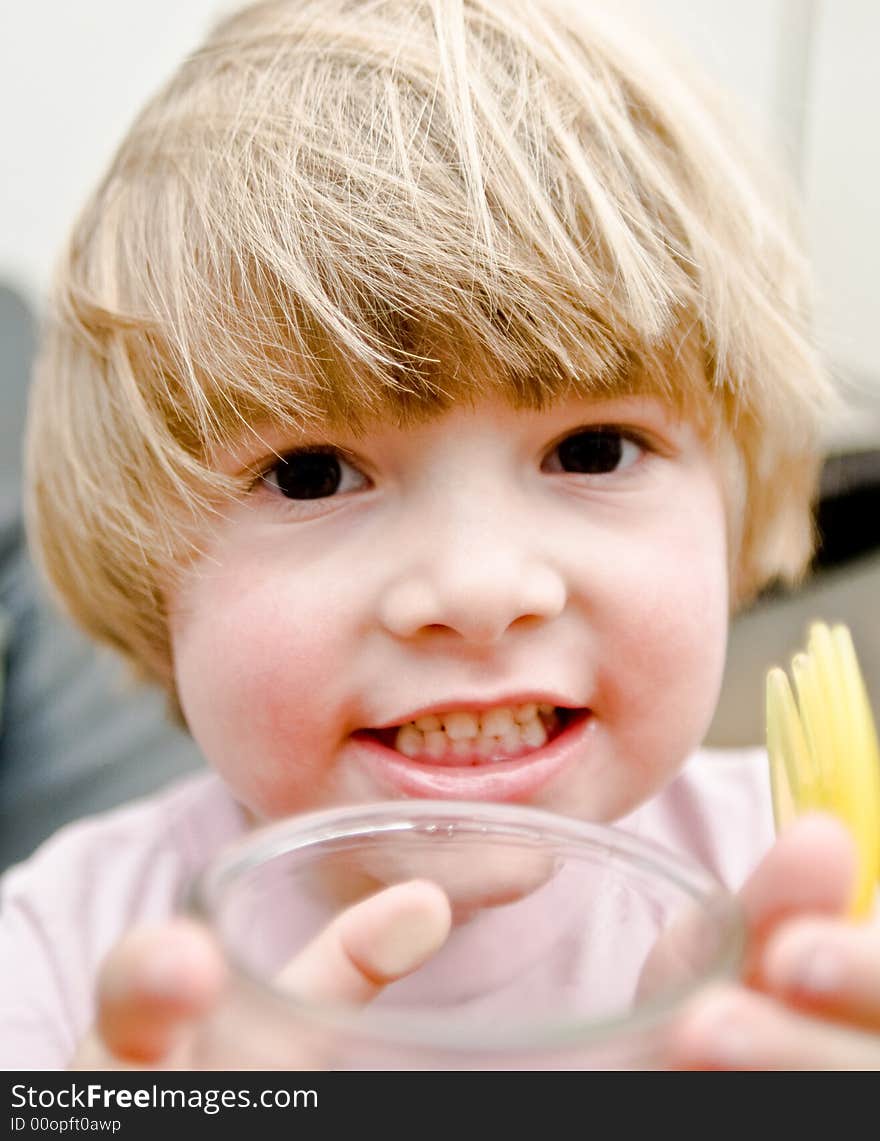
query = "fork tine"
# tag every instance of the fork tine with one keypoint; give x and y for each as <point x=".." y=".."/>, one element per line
<point x="860" y="764"/>
<point x="787" y="749"/>
<point x="822" y="651"/>
<point x="814" y="722"/>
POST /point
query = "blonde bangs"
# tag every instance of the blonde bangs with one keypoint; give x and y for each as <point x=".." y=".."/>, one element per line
<point x="339" y="211"/>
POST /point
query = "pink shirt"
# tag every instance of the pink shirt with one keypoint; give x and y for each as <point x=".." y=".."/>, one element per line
<point x="64" y="908"/>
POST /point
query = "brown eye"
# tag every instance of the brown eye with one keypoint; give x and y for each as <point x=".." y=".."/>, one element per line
<point x="593" y="451"/>
<point x="313" y="475"/>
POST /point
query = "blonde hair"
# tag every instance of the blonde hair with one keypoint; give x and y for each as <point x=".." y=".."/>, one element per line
<point x="326" y="192"/>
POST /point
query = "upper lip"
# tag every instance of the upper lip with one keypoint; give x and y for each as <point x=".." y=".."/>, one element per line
<point x="478" y="705"/>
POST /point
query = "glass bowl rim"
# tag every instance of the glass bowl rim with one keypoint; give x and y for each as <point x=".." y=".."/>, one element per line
<point x="389" y="1027"/>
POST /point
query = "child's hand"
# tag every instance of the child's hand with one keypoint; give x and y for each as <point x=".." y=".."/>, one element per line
<point x="812" y="999"/>
<point x="159" y="983"/>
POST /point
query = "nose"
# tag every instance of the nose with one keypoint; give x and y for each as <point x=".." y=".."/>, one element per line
<point x="474" y="583"/>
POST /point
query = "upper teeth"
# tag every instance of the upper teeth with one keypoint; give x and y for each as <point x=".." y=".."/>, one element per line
<point x="461" y="732"/>
<point x="461" y="725"/>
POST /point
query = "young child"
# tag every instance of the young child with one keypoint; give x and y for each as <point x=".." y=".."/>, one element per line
<point x="427" y="382"/>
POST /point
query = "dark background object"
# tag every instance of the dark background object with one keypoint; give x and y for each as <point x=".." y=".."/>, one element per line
<point x="848" y="512"/>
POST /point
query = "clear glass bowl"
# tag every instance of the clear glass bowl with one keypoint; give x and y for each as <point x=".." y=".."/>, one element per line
<point x="573" y="945"/>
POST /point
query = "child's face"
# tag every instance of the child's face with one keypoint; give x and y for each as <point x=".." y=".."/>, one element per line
<point x="483" y="562"/>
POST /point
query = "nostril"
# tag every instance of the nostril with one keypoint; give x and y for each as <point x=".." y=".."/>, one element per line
<point x="527" y="621"/>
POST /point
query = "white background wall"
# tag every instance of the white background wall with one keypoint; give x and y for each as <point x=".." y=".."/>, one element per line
<point x="74" y="72"/>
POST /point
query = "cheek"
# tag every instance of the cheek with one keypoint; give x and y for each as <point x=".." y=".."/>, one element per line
<point x="245" y="656"/>
<point x="671" y="617"/>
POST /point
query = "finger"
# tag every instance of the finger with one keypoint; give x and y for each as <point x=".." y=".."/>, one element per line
<point x="827" y="967"/>
<point x="737" y="1029"/>
<point x="809" y="870"/>
<point x="371" y="944"/>
<point x="153" y="986"/>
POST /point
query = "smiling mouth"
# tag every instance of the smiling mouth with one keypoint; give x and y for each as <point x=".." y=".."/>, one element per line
<point x="462" y="738"/>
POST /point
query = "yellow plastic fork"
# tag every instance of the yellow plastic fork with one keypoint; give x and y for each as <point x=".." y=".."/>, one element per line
<point x="823" y="747"/>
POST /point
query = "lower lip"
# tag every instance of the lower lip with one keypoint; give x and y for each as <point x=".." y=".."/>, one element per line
<point x="494" y="781"/>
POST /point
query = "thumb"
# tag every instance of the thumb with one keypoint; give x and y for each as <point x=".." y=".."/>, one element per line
<point x="364" y="948"/>
<point x="382" y="938"/>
